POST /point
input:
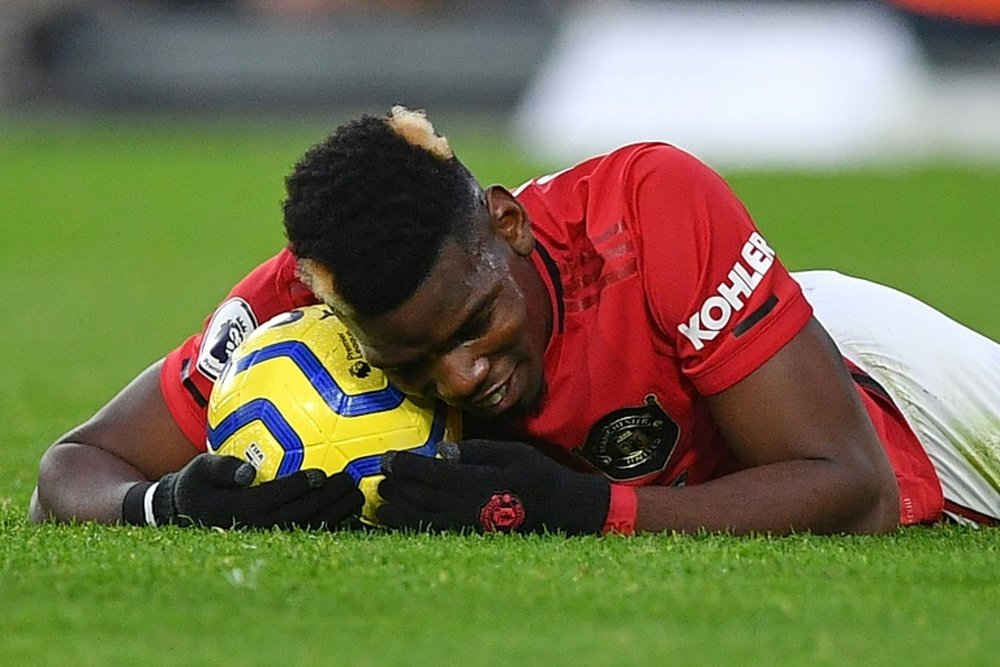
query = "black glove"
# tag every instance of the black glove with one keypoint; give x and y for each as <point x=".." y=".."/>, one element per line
<point x="489" y="486"/>
<point x="215" y="491"/>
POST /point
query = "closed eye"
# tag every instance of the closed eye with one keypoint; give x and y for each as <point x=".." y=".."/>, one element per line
<point x="477" y="325"/>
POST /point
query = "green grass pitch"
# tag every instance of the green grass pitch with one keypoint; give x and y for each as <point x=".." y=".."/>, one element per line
<point x="117" y="240"/>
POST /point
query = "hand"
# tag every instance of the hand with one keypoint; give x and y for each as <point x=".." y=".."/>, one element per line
<point x="215" y="491"/>
<point x="490" y="486"/>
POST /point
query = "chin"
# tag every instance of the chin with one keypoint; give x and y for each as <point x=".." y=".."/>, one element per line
<point x="531" y="404"/>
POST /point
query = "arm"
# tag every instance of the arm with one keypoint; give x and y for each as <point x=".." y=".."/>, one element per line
<point x="85" y="474"/>
<point x="777" y="390"/>
<point x="134" y="439"/>
<point x="774" y="382"/>
<point x="815" y="462"/>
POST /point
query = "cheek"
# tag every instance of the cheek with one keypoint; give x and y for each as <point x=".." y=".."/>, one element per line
<point x="508" y="328"/>
<point x="516" y="337"/>
<point x="531" y="308"/>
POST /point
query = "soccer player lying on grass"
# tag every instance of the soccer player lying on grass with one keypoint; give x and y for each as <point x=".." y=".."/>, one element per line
<point x="622" y="334"/>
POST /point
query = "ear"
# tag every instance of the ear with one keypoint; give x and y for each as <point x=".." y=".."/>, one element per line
<point x="510" y="220"/>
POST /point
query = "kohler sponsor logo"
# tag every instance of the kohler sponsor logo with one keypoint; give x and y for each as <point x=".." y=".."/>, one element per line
<point x="715" y="313"/>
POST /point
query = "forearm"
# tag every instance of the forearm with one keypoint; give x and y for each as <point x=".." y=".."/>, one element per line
<point x="79" y="482"/>
<point x="803" y="495"/>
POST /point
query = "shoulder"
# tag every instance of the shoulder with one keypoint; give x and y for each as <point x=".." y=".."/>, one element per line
<point x="632" y="163"/>
<point x="619" y="179"/>
<point x="615" y="167"/>
<point x="663" y="166"/>
<point x="274" y="286"/>
<point x="271" y="288"/>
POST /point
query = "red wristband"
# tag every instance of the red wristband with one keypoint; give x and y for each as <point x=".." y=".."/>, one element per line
<point x="622" y="511"/>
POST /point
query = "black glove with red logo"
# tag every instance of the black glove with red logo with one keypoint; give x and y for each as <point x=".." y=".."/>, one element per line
<point x="489" y="486"/>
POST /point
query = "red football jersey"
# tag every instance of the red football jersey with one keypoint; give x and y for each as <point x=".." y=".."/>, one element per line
<point x="665" y="291"/>
<point x="662" y="290"/>
<point x="189" y="372"/>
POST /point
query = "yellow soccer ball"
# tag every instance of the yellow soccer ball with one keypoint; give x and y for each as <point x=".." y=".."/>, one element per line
<point x="298" y="394"/>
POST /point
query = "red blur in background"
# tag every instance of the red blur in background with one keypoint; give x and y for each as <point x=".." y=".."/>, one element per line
<point x="973" y="11"/>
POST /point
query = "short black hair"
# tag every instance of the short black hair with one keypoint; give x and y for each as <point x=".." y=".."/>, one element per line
<point x="374" y="203"/>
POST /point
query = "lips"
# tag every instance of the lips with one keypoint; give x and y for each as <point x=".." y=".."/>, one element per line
<point x="493" y="398"/>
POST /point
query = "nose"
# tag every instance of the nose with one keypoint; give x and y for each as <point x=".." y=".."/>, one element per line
<point x="459" y="374"/>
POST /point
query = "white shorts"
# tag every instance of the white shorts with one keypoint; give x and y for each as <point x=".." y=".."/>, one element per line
<point x="943" y="376"/>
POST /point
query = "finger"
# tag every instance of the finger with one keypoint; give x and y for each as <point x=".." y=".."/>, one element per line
<point x="278" y="492"/>
<point x="394" y="489"/>
<point x="407" y="465"/>
<point x="342" y="483"/>
<point x="386" y="462"/>
<point x="337" y="499"/>
<point x="490" y="453"/>
<point x="227" y="471"/>
<point x="448" y="451"/>
<point x="332" y="515"/>
<point x="245" y="475"/>
<point x="406" y="517"/>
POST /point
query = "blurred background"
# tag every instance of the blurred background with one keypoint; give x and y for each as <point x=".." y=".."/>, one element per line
<point x="144" y="143"/>
<point x="143" y="147"/>
<point x="143" y="150"/>
<point x="767" y="83"/>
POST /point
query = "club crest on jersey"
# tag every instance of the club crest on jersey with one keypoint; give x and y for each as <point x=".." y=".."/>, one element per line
<point x="631" y="443"/>
<point x="717" y="311"/>
<point x="230" y="325"/>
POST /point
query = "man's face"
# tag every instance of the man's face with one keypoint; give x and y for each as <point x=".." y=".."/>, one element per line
<point x="473" y="334"/>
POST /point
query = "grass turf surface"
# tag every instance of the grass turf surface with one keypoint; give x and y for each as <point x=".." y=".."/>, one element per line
<point x="120" y="238"/>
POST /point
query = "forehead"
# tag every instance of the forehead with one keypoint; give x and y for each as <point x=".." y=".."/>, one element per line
<point x="462" y="278"/>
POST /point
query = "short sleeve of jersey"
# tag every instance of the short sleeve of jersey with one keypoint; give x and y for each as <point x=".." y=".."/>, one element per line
<point x="715" y="286"/>
<point x="189" y="372"/>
